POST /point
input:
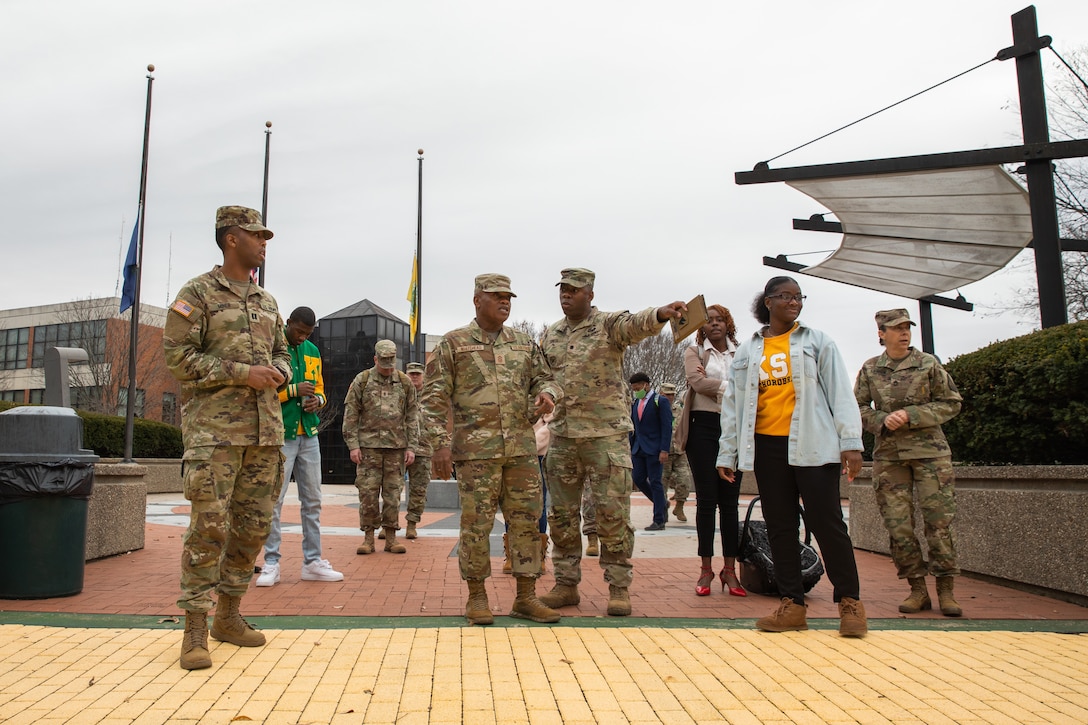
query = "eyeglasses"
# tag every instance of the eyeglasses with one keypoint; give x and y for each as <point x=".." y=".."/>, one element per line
<point x="785" y="298"/>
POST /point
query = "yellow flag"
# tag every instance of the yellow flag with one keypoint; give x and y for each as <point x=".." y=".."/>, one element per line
<point x="413" y="297"/>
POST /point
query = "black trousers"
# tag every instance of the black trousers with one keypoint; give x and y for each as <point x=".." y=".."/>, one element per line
<point x="715" y="497"/>
<point x="780" y="484"/>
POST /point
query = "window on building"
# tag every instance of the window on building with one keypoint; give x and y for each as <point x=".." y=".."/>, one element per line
<point x="13" y="348"/>
<point x="14" y="396"/>
<point x="122" y="402"/>
<point x="169" y="408"/>
<point x="37" y="397"/>
<point x="87" y="397"/>
<point x="89" y="335"/>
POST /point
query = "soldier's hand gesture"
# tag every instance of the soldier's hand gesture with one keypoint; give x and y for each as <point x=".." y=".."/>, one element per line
<point x="264" y="376"/>
<point x="673" y="310"/>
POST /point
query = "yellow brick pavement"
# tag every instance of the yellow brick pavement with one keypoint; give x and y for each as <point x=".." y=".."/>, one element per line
<point x="540" y="675"/>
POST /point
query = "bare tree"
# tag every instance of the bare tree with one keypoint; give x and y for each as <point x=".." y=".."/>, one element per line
<point x="1068" y="110"/>
<point x="101" y="386"/>
<point x="534" y="330"/>
<point x="660" y="358"/>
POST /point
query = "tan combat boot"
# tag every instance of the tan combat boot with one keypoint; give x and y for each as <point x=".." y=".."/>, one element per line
<point x="619" y="601"/>
<point x="592" y="546"/>
<point x="391" y="543"/>
<point x="367" y="547"/>
<point x="477" y="610"/>
<point x="561" y="595"/>
<point x="527" y="606"/>
<point x="543" y="553"/>
<point x="789" y="617"/>
<point x="949" y="606"/>
<point x="229" y="626"/>
<point x="410" y="533"/>
<point x="852" y="621"/>
<point x="919" y="596"/>
<point x="194" y="643"/>
<point x="507" y="565"/>
<point x="678" y="511"/>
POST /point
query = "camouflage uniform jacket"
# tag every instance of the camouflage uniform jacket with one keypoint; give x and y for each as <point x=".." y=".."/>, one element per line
<point x="211" y="338"/>
<point x="491" y="388"/>
<point x="587" y="358"/>
<point x="917" y="384"/>
<point x="424" y="449"/>
<point x="381" y="412"/>
<point x="677" y="411"/>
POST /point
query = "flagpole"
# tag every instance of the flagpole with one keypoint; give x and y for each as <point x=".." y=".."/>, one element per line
<point x="134" y="325"/>
<point x="264" y="196"/>
<point x="421" y="348"/>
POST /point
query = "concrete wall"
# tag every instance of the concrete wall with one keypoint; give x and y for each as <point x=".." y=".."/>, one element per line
<point x="1024" y="524"/>
<point x="117" y="509"/>
<point x="163" y="474"/>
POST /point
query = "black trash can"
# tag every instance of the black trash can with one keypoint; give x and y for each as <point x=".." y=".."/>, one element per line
<point x="46" y="478"/>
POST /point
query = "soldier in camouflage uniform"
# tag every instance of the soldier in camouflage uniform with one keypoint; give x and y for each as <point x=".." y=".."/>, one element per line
<point x="224" y="340"/>
<point x="676" y="474"/>
<point x="590" y="435"/>
<point x="904" y="396"/>
<point x="381" y="430"/>
<point x="419" y="473"/>
<point x="497" y="383"/>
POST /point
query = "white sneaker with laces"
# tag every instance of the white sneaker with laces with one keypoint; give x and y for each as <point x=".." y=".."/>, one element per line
<point x="270" y="574"/>
<point x="320" y="571"/>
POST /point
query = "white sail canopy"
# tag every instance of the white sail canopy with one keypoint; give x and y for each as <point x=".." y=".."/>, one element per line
<point x="921" y="233"/>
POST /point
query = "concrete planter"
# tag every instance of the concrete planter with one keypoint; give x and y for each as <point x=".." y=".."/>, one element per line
<point x="1021" y="524"/>
<point x="116" y="510"/>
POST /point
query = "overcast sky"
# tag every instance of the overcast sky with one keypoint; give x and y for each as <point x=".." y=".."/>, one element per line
<point x="593" y="134"/>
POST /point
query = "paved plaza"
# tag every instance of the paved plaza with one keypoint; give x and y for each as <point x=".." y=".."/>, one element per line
<point x="390" y="644"/>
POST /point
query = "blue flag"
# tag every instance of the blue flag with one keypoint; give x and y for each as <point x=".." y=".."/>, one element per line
<point x="128" y="290"/>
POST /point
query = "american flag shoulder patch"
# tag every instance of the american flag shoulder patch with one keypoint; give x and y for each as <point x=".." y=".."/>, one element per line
<point x="183" y="308"/>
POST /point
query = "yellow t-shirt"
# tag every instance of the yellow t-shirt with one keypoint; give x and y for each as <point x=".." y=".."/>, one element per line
<point x="776" y="394"/>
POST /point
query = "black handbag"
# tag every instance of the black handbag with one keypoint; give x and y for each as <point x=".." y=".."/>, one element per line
<point x="756" y="564"/>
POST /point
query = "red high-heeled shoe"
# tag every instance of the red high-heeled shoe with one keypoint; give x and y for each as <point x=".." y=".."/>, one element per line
<point x="702" y="587"/>
<point x="735" y="589"/>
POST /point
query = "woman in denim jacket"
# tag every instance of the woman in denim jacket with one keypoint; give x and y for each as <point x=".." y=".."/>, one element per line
<point x="789" y="415"/>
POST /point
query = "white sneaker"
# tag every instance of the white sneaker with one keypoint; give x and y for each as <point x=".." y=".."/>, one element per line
<point x="320" y="571"/>
<point x="270" y="574"/>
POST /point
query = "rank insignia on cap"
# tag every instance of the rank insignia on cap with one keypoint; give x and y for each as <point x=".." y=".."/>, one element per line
<point x="183" y="308"/>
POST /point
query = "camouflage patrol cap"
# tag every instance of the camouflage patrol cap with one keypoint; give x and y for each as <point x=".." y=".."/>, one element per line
<point x="494" y="283"/>
<point x="576" y="277"/>
<point x="668" y="389"/>
<point x="386" y="351"/>
<point x="415" y="368"/>
<point x="891" y="318"/>
<point x="241" y="216"/>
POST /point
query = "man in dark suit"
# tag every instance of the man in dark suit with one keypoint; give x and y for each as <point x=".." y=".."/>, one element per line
<point x="650" y="443"/>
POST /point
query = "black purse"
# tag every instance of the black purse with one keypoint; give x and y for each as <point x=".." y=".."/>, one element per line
<point x="756" y="564"/>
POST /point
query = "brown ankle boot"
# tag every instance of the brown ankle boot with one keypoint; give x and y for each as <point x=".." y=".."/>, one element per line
<point x="410" y="533"/>
<point x="391" y="543"/>
<point x="619" y="601"/>
<point x="678" y="511"/>
<point x="229" y="625"/>
<point x="561" y="595"/>
<point x="527" y="606"/>
<point x="592" y="546"/>
<point x="367" y="547"/>
<point x="919" y="596"/>
<point x="507" y="565"/>
<point x="852" y="620"/>
<point x="945" y="598"/>
<point x="477" y="609"/>
<point x="789" y="617"/>
<point x="194" y="643"/>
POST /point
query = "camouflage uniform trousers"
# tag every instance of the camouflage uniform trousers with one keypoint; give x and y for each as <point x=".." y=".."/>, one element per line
<point x="233" y="490"/>
<point x="380" y="474"/>
<point x="895" y="482"/>
<point x="676" y="474"/>
<point x="605" y="465"/>
<point x="419" y="477"/>
<point x="512" y="484"/>
<point x="589" y="510"/>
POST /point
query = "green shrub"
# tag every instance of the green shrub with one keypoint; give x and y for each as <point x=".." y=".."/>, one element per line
<point x="1025" y="400"/>
<point x="105" y="435"/>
